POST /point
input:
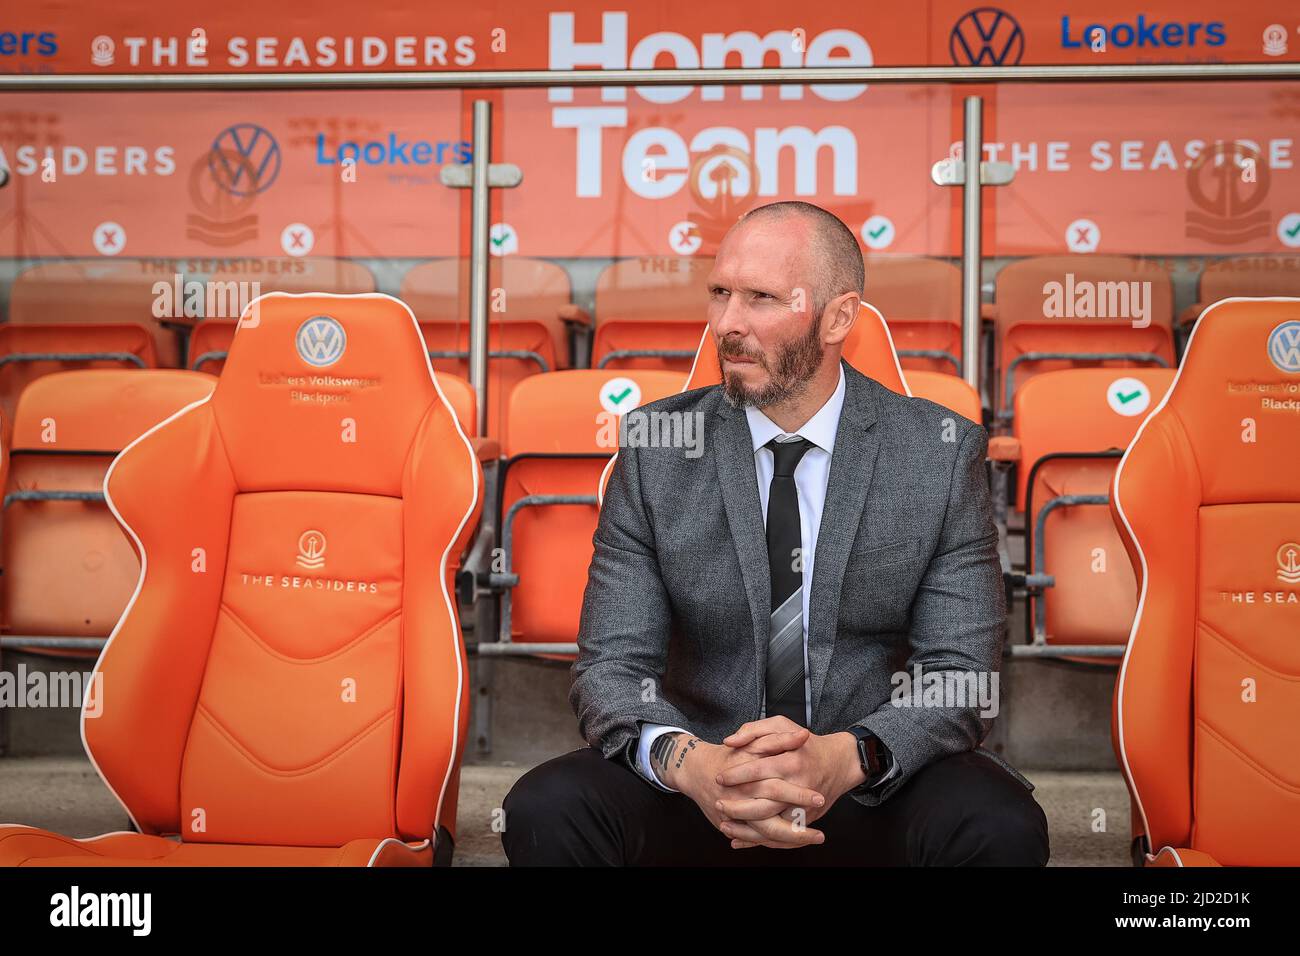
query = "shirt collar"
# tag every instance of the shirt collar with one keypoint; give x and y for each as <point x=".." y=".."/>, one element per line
<point x="820" y="429"/>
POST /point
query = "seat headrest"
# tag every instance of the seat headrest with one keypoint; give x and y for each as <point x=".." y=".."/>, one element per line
<point x="325" y="392"/>
<point x="102" y="409"/>
<point x="1236" y="400"/>
<point x="576" y="411"/>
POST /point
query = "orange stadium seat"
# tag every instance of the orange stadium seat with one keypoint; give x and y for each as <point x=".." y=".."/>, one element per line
<point x="1244" y="276"/>
<point x="1094" y="299"/>
<point x="649" y="312"/>
<point x="1071" y="426"/>
<point x="527" y="334"/>
<point x="81" y="314"/>
<point x="68" y="570"/>
<point x="210" y="338"/>
<point x="292" y="642"/>
<point x="947" y="390"/>
<point x="921" y="300"/>
<point x="1207" y="705"/>
<point x="463" y="401"/>
<point x="95" y="292"/>
<point x="563" y="429"/>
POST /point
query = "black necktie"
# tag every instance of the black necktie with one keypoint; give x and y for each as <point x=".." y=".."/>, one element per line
<point x="785" y="673"/>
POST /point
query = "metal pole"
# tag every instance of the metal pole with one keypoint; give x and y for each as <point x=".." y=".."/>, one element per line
<point x="724" y="76"/>
<point x="973" y="155"/>
<point x="478" y="260"/>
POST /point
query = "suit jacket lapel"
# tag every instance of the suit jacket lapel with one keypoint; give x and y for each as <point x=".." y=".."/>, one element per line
<point x="737" y="477"/>
<point x="852" y="463"/>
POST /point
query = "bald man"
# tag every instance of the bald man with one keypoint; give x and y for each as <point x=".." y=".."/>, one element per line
<point x="752" y="612"/>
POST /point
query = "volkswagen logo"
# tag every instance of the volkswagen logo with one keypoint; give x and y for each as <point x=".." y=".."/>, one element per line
<point x="321" y="341"/>
<point x="244" y="159"/>
<point x="1284" y="346"/>
<point x="986" y="36"/>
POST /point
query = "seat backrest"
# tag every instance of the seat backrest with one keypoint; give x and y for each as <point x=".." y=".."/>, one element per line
<point x="1250" y="275"/>
<point x="524" y="291"/>
<point x="461" y="396"/>
<point x="1081" y="411"/>
<point x="30" y="352"/>
<point x="523" y="319"/>
<point x="572" y="413"/>
<point x="102" y="292"/>
<point x="653" y="289"/>
<point x="1206" y="706"/>
<point x="951" y="392"/>
<point x="1072" y="425"/>
<point x="211" y="337"/>
<point x="1079" y="304"/>
<point x="80" y="308"/>
<point x="650" y="302"/>
<point x="292" y="644"/>
<point x="530" y="349"/>
<point x="67" y="567"/>
<point x="921" y="300"/>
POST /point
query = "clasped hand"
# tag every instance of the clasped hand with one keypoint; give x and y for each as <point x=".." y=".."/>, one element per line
<point x="766" y="782"/>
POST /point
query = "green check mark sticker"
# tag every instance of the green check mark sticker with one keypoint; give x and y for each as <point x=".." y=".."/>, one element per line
<point x="619" y="395"/>
<point x="503" y="239"/>
<point x="878" y="232"/>
<point x="1288" y="230"/>
<point x="1128" y="396"/>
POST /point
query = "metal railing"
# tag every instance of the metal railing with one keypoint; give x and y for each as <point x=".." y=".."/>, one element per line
<point x="710" y="76"/>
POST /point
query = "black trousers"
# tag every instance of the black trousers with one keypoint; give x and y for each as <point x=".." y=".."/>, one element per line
<point x="581" y="809"/>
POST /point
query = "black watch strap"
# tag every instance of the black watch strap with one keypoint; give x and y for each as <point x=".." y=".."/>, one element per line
<point x="874" y="756"/>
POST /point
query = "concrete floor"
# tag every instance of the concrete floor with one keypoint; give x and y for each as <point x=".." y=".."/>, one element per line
<point x="64" y="793"/>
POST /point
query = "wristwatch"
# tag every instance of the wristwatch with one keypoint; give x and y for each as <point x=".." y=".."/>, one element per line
<point x="874" y="756"/>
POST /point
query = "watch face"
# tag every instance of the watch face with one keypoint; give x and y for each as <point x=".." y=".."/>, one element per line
<point x="867" y="756"/>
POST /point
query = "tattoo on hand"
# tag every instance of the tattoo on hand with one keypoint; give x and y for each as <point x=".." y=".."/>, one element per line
<point x="662" y="750"/>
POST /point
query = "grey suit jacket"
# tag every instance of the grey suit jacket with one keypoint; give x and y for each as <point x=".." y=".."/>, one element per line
<point x="674" y="626"/>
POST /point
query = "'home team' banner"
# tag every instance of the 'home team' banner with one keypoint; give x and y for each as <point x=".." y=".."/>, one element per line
<point x="1158" y="169"/>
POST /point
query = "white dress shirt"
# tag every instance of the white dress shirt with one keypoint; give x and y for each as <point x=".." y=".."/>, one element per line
<point x="810" y="478"/>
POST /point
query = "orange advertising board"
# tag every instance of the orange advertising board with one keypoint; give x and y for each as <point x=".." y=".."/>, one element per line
<point x="1165" y="169"/>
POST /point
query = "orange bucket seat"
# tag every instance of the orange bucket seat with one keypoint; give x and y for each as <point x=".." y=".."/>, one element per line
<point x="1207" y="703"/>
<point x="287" y="684"/>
